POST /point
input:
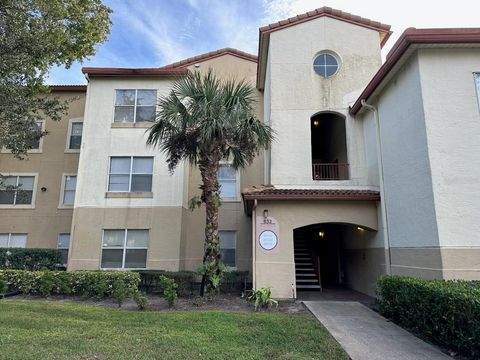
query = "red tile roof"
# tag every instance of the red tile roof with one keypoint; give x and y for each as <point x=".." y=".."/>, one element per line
<point x="265" y="31"/>
<point x="272" y="193"/>
<point x="410" y="37"/>
<point x="211" y="55"/>
<point x="100" y="71"/>
<point x="68" y="88"/>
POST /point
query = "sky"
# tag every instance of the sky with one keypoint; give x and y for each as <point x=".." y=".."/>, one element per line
<point x="153" y="33"/>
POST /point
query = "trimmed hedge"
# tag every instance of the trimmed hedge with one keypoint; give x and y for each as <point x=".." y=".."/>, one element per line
<point x="188" y="282"/>
<point x="30" y="259"/>
<point x="88" y="284"/>
<point x="446" y="311"/>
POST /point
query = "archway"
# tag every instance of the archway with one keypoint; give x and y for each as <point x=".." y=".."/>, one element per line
<point x="329" y="146"/>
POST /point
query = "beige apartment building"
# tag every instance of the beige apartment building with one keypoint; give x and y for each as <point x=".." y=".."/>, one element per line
<point x="374" y="169"/>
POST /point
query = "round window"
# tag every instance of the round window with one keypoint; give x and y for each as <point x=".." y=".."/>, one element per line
<point x="326" y="65"/>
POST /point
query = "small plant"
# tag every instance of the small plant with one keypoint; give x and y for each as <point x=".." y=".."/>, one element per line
<point x="140" y="299"/>
<point x="169" y="289"/>
<point x="262" y="298"/>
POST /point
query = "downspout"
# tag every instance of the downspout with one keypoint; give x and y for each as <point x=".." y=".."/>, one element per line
<point x="383" y="199"/>
<point x="254" y="243"/>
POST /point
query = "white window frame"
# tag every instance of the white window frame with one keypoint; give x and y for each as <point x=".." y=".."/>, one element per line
<point x="236" y="198"/>
<point x="9" y="239"/>
<point x="69" y="134"/>
<point x="34" y="192"/>
<point x="63" y="247"/>
<point x="61" y="205"/>
<point x="134" y="106"/>
<point x="124" y="249"/>
<point x="236" y="243"/>
<point x="130" y="175"/>
<point x="476" y="80"/>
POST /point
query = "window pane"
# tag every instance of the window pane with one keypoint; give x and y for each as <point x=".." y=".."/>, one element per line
<point x="145" y="114"/>
<point x="113" y="238"/>
<point x="120" y="165"/>
<point x="118" y="183"/>
<point x="69" y="197"/>
<point x="63" y="241"/>
<point x="146" y="97"/>
<point x="70" y="182"/>
<point x="3" y="240"/>
<point x="112" y="258"/>
<point x="64" y="253"/>
<point x="75" y="142"/>
<point x="330" y="60"/>
<point x="9" y="181"/>
<point x="141" y="183"/>
<point x="125" y="97"/>
<point x="142" y="165"/>
<point x="24" y="197"/>
<point x="226" y="172"/>
<point x="228" y="257"/>
<point x="330" y="70"/>
<point x="227" y="239"/>
<point x="320" y="60"/>
<point x="228" y="189"/>
<point x="76" y="136"/>
<point x="18" y="240"/>
<point x="137" y="238"/>
<point x="123" y="114"/>
<point x="77" y="128"/>
<point x="26" y="182"/>
<point x="136" y="258"/>
<point x="7" y="197"/>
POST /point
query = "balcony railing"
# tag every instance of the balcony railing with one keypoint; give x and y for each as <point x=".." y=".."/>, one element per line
<point x="330" y="171"/>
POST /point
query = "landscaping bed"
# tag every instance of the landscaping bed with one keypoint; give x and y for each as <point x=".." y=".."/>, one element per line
<point x="65" y="330"/>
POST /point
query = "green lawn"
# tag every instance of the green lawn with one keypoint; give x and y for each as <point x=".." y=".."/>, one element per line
<point x="50" y="330"/>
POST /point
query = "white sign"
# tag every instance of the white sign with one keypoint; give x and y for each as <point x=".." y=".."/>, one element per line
<point x="268" y="240"/>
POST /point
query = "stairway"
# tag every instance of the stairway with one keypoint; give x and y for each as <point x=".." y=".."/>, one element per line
<point x="305" y="275"/>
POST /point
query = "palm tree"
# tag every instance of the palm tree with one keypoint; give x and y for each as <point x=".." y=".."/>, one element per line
<point x="205" y="120"/>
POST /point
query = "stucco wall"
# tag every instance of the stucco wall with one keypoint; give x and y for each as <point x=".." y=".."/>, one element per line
<point x="46" y="220"/>
<point x="297" y="92"/>
<point x="408" y="184"/>
<point x="453" y="130"/>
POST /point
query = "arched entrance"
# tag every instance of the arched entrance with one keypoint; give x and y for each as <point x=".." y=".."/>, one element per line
<point x="329" y="146"/>
<point x="322" y="255"/>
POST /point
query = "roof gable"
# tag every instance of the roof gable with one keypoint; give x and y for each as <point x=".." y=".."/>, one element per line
<point x="211" y="55"/>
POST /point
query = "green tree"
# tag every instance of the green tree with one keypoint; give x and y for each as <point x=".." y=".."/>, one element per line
<point x="205" y="120"/>
<point x="34" y="36"/>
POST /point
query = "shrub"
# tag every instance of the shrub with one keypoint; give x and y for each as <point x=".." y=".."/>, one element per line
<point x="262" y="298"/>
<point x="185" y="280"/>
<point x="169" y="289"/>
<point x="30" y="259"/>
<point x="3" y="285"/>
<point x="89" y="284"/>
<point x="140" y="299"/>
<point x="446" y="311"/>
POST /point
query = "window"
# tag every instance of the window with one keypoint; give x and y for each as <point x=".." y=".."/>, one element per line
<point x="227" y="178"/>
<point x="75" y="140"/>
<point x="63" y="246"/>
<point x="325" y="65"/>
<point x="36" y="142"/>
<point x="13" y="240"/>
<point x="477" y="83"/>
<point x="135" y="105"/>
<point x="124" y="249"/>
<point x="16" y="190"/>
<point x="228" y="244"/>
<point x="130" y="174"/>
<point x="69" y="185"/>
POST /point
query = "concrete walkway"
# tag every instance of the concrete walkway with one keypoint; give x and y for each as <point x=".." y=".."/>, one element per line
<point x="364" y="334"/>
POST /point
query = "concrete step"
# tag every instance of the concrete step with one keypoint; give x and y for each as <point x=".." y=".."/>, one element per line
<point x="307" y="282"/>
<point x="308" y="287"/>
<point x="307" y="275"/>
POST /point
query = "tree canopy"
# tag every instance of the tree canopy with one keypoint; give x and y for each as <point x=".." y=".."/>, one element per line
<point x="34" y="36"/>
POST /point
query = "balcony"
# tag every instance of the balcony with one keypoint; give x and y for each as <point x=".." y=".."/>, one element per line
<point x="329" y="171"/>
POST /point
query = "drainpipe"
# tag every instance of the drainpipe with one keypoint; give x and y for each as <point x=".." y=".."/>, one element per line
<point x="383" y="199"/>
<point x="254" y="243"/>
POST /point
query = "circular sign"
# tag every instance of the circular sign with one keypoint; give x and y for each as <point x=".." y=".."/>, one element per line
<point x="268" y="240"/>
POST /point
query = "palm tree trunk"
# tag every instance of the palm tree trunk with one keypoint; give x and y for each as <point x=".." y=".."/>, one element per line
<point x="211" y="199"/>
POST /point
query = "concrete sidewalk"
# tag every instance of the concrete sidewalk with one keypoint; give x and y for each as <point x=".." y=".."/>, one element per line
<point x="364" y="334"/>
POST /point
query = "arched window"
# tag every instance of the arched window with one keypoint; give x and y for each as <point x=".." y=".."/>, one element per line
<point x="329" y="147"/>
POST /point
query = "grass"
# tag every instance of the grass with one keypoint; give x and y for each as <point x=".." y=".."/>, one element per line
<point x="50" y="330"/>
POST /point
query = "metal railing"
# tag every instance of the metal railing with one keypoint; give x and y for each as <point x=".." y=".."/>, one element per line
<point x="332" y="171"/>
